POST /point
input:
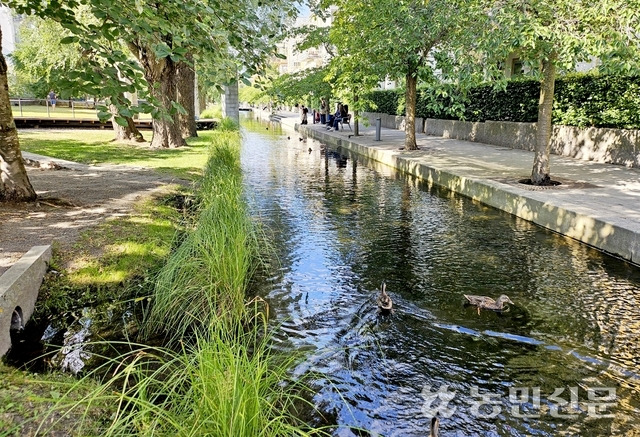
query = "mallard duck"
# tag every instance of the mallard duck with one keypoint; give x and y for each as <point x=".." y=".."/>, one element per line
<point x="435" y="424"/>
<point x="384" y="301"/>
<point x="485" y="302"/>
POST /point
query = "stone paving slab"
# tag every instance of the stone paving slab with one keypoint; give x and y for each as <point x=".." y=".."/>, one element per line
<point x="598" y="204"/>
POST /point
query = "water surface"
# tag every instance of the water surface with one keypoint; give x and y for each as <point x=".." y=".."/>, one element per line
<point x="341" y="226"/>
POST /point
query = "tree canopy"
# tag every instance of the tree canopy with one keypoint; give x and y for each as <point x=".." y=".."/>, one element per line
<point x="555" y="35"/>
<point x="399" y="39"/>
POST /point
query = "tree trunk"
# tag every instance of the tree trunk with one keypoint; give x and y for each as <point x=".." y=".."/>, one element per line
<point x="410" y="118"/>
<point x="540" y="174"/>
<point x="356" y="128"/>
<point x="14" y="182"/>
<point x="124" y="133"/>
<point x="186" y="77"/>
<point x="160" y="74"/>
<point x="166" y="129"/>
<point x="202" y="98"/>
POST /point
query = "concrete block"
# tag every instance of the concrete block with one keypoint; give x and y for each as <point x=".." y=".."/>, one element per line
<point x="615" y="146"/>
<point x="510" y="134"/>
<point x="19" y="288"/>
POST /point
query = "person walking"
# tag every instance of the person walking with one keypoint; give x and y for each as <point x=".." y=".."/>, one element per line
<point x="52" y="99"/>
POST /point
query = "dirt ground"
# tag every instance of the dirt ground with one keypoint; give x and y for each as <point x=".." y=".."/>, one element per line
<point x="72" y="198"/>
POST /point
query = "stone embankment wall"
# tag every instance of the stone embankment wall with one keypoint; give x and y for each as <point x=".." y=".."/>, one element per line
<point x="612" y="146"/>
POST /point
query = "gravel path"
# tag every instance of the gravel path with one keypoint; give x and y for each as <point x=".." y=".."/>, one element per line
<point x="72" y="198"/>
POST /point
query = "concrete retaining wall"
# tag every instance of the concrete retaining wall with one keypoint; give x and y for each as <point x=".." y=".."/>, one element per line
<point x="611" y="146"/>
<point x="19" y="288"/>
<point x="392" y="121"/>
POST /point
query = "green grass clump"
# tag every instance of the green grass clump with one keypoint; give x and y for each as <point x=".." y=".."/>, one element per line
<point x="228" y="383"/>
<point x="206" y="277"/>
<point x="227" y="124"/>
<point x="97" y="147"/>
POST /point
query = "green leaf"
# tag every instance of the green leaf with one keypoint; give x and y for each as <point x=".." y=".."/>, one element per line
<point x="161" y="50"/>
<point x="69" y="40"/>
<point x="104" y="115"/>
<point x="121" y="121"/>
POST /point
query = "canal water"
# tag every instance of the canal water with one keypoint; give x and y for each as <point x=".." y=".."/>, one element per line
<point x="564" y="360"/>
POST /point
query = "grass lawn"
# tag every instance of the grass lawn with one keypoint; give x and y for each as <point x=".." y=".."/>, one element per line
<point x="95" y="147"/>
<point x="40" y="111"/>
<point x="116" y="258"/>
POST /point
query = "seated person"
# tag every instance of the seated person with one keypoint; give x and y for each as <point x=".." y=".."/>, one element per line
<point x="334" y="117"/>
<point x="342" y="112"/>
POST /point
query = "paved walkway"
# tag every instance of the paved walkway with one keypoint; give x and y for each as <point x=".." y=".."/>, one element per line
<point x="598" y="204"/>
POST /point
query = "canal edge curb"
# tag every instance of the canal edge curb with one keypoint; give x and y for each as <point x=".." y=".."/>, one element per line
<point x="610" y="238"/>
<point x="19" y="287"/>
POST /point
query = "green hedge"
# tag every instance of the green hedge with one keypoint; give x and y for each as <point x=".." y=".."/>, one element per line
<point x="386" y="101"/>
<point x="581" y="100"/>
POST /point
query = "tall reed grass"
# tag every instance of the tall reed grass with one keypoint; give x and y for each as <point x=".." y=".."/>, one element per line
<point x="206" y="277"/>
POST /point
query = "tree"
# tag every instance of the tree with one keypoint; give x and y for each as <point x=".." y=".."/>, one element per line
<point x="161" y="34"/>
<point x="124" y="127"/>
<point x="40" y="55"/>
<point x="399" y="39"/>
<point x="40" y="60"/>
<point x="14" y="182"/>
<point x="186" y="97"/>
<point x="300" y="86"/>
<point x="552" y="35"/>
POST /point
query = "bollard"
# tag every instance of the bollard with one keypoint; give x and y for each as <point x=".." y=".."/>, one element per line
<point x="378" y="128"/>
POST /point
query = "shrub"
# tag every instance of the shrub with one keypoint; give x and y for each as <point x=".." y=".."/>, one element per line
<point x="581" y="100"/>
<point x="385" y="101"/>
<point x="212" y="112"/>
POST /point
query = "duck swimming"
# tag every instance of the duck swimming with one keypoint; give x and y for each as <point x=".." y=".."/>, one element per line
<point x="384" y="301"/>
<point x="435" y="424"/>
<point x="485" y="302"/>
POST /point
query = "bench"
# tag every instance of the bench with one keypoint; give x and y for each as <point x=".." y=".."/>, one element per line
<point x="346" y="120"/>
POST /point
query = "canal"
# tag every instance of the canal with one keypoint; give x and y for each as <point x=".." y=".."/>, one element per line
<point x="564" y="360"/>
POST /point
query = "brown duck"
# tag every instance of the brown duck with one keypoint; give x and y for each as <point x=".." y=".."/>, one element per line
<point x="384" y="301"/>
<point x="484" y="302"/>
